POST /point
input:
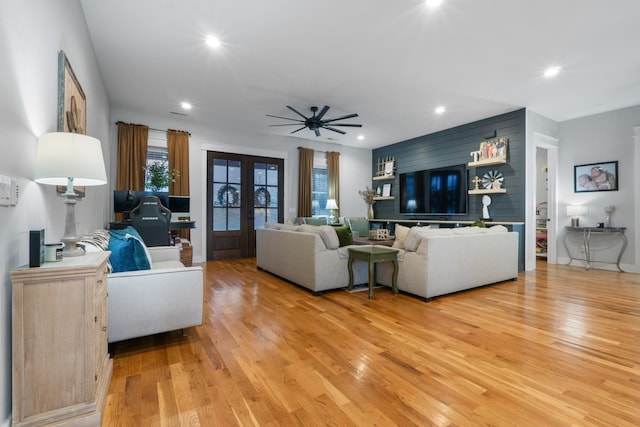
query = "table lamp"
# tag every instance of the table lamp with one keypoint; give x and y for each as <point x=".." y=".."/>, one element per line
<point x="576" y="211"/>
<point x="69" y="159"/>
<point x="332" y="206"/>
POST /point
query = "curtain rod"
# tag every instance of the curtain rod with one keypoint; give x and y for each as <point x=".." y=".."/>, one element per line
<point x="319" y="151"/>
<point x="150" y="128"/>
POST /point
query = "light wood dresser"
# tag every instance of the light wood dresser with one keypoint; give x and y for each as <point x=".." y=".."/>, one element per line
<point x="61" y="364"/>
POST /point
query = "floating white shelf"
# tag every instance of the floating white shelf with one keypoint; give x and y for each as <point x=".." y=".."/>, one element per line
<point x="488" y="191"/>
<point x="488" y="162"/>
<point x="380" y="177"/>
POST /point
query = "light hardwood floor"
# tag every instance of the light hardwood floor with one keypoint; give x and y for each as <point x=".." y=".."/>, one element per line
<point x="558" y="347"/>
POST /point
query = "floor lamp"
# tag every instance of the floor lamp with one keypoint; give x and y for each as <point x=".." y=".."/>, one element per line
<point x="69" y="159"/>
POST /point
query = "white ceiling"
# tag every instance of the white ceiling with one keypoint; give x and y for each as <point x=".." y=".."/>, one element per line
<point x="392" y="62"/>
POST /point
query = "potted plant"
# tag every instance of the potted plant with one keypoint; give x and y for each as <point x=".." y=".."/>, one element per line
<point x="158" y="176"/>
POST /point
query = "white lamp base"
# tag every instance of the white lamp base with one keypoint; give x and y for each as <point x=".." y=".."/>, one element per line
<point x="70" y="237"/>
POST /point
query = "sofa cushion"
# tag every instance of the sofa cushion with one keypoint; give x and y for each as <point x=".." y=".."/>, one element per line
<point x="128" y="253"/>
<point x="416" y="234"/>
<point x="344" y="235"/>
<point x="326" y="232"/>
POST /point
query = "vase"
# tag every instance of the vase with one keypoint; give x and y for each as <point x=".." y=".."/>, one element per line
<point x="608" y="221"/>
<point x="371" y="211"/>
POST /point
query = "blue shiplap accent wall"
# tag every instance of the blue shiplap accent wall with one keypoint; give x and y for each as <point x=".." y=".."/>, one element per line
<point x="451" y="147"/>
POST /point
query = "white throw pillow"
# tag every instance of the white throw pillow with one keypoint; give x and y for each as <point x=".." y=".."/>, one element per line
<point x="401" y="234"/>
<point x="498" y="229"/>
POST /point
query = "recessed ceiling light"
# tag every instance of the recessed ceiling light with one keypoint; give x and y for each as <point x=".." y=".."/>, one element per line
<point x="552" y="71"/>
<point x="360" y="137"/>
<point x="185" y="105"/>
<point x="213" y="41"/>
<point x="433" y="3"/>
<point x="441" y="109"/>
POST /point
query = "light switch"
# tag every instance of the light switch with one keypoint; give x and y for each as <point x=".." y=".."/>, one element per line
<point x="8" y="191"/>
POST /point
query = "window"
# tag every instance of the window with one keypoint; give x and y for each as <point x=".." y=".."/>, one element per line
<point x="320" y="185"/>
<point x="156" y="154"/>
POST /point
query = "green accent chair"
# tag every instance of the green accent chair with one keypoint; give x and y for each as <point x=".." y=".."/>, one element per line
<point x="359" y="225"/>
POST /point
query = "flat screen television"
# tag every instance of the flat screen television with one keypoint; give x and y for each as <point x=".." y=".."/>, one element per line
<point x="440" y="191"/>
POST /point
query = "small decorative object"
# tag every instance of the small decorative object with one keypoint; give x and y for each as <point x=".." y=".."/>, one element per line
<point x="379" y="234"/>
<point x="378" y="191"/>
<point x="478" y="223"/>
<point x="608" y="222"/>
<point x="475" y="155"/>
<point x="596" y="177"/>
<point x="476" y="181"/>
<point x="489" y="179"/>
<point x="369" y="195"/>
<point x="386" y="190"/>
<point x="575" y="212"/>
<point x="486" y="201"/>
<point x="386" y="166"/>
<point x="159" y="176"/>
<point x="494" y="149"/>
<point x="497" y="185"/>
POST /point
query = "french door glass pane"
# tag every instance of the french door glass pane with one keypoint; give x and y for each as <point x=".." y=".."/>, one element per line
<point x="226" y="194"/>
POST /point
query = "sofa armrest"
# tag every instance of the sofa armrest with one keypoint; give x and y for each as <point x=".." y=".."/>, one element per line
<point x="164" y="253"/>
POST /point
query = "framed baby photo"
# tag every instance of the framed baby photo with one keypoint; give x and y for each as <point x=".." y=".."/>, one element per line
<point x="595" y="177"/>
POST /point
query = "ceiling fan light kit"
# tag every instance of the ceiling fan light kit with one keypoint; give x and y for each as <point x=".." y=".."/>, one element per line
<point x="316" y="122"/>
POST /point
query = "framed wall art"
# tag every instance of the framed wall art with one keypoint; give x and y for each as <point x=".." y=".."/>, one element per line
<point x="595" y="177"/>
<point x="72" y="106"/>
<point x="72" y="102"/>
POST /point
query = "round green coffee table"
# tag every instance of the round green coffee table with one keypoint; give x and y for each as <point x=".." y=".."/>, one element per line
<point x="373" y="255"/>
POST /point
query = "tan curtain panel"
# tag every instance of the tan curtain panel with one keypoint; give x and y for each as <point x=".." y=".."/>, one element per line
<point x="333" y="175"/>
<point x="178" y="147"/>
<point x="305" y="178"/>
<point x="132" y="156"/>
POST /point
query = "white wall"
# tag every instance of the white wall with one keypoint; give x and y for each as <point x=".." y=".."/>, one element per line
<point x="355" y="165"/>
<point x="31" y="34"/>
<point x="596" y="139"/>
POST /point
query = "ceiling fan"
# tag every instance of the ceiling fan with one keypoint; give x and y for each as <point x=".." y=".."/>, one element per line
<point x="315" y="123"/>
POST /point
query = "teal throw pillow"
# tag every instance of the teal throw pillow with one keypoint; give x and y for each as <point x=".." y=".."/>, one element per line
<point x="344" y="235"/>
<point x="128" y="253"/>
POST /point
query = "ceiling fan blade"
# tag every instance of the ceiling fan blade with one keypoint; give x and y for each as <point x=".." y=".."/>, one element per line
<point x="334" y="129"/>
<point x="317" y="131"/>
<point x="346" y="124"/>
<point x="297" y="112"/>
<point x="287" y="124"/>
<point x="322" y="112"/>
<point x="348" y="116"/>
<point x="298" y="130"/>
<point x="286" y="118"/>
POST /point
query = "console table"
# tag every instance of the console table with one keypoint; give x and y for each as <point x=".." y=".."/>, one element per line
<point x="587" y="233"/>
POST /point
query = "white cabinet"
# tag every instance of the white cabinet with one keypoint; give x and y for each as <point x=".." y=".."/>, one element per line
<point x="61" y="364"/>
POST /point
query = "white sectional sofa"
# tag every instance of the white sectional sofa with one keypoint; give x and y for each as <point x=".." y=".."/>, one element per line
<point x="307" y="255"/>
<point x="435" y="262"/>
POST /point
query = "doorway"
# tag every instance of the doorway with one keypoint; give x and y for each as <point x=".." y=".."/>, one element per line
<point x="243" y="193"/>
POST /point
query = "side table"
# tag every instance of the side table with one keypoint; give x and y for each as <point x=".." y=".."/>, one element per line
<point x="373" y="255"/>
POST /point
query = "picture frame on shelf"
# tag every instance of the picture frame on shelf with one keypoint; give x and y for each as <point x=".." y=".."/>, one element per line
<point x="389" y="167"/>
<point x="596" y="177"/>
<point x="493" y="149"/>
<point x="386" y="190"/>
